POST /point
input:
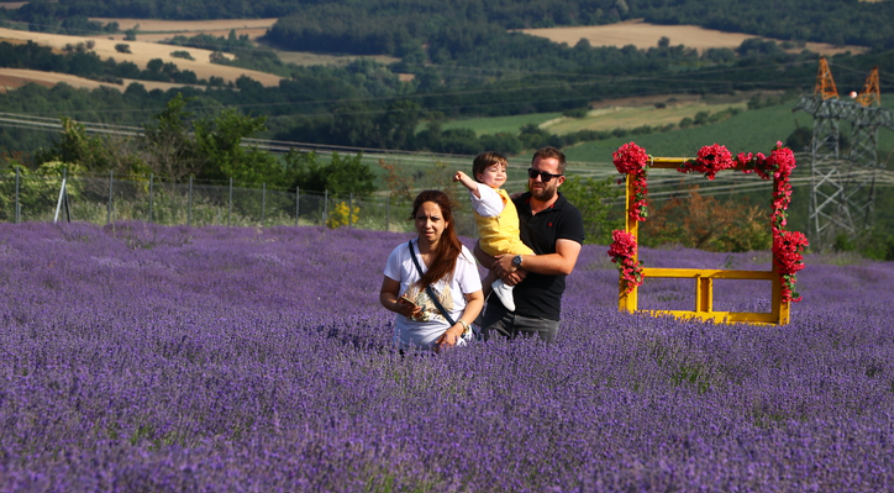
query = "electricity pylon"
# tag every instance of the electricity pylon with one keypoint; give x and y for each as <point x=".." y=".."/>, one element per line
<point x="842" y="190"/>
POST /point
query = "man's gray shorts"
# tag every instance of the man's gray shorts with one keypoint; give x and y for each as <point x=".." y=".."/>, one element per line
<point x="497" y="322"/>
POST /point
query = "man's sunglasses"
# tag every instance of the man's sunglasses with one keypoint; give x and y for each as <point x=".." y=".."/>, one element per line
<point x="544" y="176"/>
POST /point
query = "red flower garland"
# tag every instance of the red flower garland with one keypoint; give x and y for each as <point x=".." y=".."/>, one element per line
<point x="788" y="247"/>
<point x="623" y="253"/>
<point x="632" y="159"/>
<point x="710" y="160"/>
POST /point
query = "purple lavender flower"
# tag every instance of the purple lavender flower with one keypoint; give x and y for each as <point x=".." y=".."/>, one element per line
<point x="138" y="357"/>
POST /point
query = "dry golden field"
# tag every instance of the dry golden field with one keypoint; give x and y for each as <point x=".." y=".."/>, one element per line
<point x="12" y="78"/>
<point x="644" y="35"/>
<point x="143" y="51"/>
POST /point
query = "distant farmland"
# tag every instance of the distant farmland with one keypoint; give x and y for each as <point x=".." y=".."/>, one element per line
<point x="142" y="52"/>
<point x="644" y="36"/>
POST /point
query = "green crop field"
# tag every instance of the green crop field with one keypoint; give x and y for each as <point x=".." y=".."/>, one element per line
<point x="749" y="131"/>
<point x="632" y="117"/>
<point x="500" y="124"/>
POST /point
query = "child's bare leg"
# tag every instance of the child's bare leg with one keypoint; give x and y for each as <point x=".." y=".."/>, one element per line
<point x="487" y="282"/>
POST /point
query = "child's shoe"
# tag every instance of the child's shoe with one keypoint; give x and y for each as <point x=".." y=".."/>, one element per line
<point x="504" y="292"/>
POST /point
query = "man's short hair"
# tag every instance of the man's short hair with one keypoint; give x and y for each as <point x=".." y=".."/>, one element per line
<point x="485" y="160"/>
<point x="550" y="152"/>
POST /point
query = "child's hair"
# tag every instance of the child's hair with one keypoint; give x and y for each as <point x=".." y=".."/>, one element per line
<point x="486" y="159"/>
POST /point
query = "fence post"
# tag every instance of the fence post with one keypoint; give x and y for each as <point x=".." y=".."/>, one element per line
<point x="189" y="204"/>
<point x="297" y="203"/>
<point x="325" y="205"/>
<point x="351" y="210"/>
<point x="66" y="202"/>
<point x="109" y="209"/>
<point x="263" y="201"/>
<point x="61" y="196"/>
<point x="151" y="191"/>
<point x="230" y="202"/>
<point x="18" y="211"/>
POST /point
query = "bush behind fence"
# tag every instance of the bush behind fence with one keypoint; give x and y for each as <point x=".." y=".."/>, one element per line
<point x="106" y="199"/>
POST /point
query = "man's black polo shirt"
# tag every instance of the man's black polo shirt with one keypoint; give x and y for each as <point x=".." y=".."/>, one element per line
<point x="540" y="296"/>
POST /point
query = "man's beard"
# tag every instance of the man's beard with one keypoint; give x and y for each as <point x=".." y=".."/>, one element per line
<point x="544" y="194"/>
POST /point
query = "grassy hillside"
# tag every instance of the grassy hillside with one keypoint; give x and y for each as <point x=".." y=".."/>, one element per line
<point x="500" y="124"/>
<point x="749" y="131"/>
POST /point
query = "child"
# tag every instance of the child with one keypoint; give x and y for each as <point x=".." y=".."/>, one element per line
<point x="495" y="214"/>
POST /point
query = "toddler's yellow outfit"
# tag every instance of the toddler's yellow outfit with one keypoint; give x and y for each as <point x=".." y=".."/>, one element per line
<point x="498" y="232"/>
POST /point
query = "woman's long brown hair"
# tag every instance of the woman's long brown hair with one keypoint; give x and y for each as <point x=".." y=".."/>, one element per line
<point x="449" y="247"/>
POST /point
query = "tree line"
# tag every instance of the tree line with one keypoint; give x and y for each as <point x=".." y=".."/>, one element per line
<point x="356" y="26"/>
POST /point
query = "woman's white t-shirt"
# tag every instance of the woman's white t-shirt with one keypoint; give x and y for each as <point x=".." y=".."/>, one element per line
<point x="450" y="291"/>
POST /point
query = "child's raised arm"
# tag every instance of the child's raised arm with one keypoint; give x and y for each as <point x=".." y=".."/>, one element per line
<point x="467" y="182"/>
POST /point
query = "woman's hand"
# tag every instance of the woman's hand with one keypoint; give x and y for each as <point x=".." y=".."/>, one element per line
<point x="450" y="337"/>
<point x="388" y="297"/>
<point x="406" y="308"/>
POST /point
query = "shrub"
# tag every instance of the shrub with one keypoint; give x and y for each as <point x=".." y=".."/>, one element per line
<point x="182" y="54"/>
<point x="340" y="216"/>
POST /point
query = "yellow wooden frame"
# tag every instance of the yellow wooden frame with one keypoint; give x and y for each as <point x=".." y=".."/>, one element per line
<point x="703" y="278"/>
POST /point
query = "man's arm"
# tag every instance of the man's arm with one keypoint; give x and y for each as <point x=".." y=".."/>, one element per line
<point x="560" y="263"/>
<point x="488" y="263"/>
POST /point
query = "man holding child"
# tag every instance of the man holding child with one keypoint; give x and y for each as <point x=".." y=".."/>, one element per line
<point x="554" y="230"/>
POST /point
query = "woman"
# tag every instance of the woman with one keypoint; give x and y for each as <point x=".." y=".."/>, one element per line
<point x="446" y="265"/>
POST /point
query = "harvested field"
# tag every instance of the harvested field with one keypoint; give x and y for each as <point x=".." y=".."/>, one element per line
<point x="12" y="78"/>
<point x="644" y="35"/>
<point x="142" y="52"/>
<point x="11" y="5"/>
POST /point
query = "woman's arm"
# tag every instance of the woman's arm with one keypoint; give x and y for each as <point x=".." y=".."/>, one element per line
<point x="389" y="297"/>
<point x="474" y="304"/>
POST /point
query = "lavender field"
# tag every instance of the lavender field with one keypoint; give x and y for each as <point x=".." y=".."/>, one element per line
<point x="144" y="358"/>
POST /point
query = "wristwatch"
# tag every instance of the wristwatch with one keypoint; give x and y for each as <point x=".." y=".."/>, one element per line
<point x="517" y="261"/>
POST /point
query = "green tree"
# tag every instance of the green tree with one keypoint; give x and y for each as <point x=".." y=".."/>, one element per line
<point x="594" y="199"/>
<point x="397" y="127"/>
<point x="92" y="153"/>
<point x="341" y="176"/>
<point x="170" y="150"/>
<point x="219" y="142"/>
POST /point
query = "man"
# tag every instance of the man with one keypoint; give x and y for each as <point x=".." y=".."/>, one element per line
<point x="554" y="229"/>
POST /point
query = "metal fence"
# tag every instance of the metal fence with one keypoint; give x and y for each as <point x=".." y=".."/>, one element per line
<point x="104" y="199"/>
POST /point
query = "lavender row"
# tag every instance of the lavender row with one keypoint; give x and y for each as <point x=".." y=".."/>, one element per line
<point x="136" y="357"/>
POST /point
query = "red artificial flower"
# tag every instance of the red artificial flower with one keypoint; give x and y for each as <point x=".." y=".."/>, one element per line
<point x="630" y="158"/>
<point x="623" y="252"/>
<point x="783" y="160"/>
<point x="711" y="160"/>
<point x="788" y="258"/>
